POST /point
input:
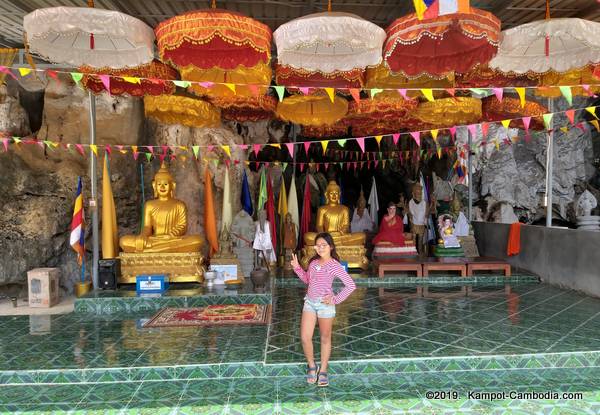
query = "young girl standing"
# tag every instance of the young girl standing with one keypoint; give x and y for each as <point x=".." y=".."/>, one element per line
<point x="320" y="301"/>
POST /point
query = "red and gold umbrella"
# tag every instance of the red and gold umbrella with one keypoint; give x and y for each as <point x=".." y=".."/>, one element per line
<point x="483" y="76"/>
<point x="312" y="109"/>
<point x="150" y="79"/>
<point x="509" y="108"/>
<point x="213" y="38"/>
<point x="381" y="77"/>
<point x="580" y="76"/>
<point x="339" y="129"/>
<point x="257" y="108"/>
<point x="452" y="42"/>
<point x="386" y="105"/>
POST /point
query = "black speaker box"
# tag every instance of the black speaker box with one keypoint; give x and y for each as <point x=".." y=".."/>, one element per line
<point x="109" y="271"/>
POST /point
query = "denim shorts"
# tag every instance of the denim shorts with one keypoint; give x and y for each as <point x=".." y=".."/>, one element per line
<point x="317" y="307"/>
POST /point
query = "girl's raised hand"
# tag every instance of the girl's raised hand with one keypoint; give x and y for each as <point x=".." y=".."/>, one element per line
<point x="294" y="262"/>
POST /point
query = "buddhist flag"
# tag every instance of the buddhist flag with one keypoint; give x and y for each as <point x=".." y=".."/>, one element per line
<point x="210" y="221"/>
<point x="246" y="199"/>
<point x="110" y="239"/>
<point x="271" y="212"/>
<point x="262" y="191"/>
<point x="226" y="211"/>
<point x="292" y="200"/>
<point x="77" y="239"/>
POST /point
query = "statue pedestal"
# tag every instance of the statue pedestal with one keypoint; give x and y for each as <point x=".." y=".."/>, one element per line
<point x="181" y="267"/>
<point x="588" y="223"/>
<point x="469" y="245"/>
<point x="441" y="252"/>
<point x="355" y="256"/>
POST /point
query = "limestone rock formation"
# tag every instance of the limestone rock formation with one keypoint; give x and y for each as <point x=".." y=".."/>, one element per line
<point x="13" y="118"/>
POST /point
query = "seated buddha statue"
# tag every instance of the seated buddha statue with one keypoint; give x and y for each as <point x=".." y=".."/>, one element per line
<point x="335" y="219"/>
<point x="165" y="222"/>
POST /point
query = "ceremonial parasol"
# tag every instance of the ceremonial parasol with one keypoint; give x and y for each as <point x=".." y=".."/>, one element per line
<point x="382" y="114"/>
<point x="312" y="109"/>
<point x="339" y="129"/>
<point x="559" y="45"/>
<point x="435" y="46"/>
<point x="86" y="36"/>
<point x="483" y="76"/>
<point x="510" y="108"/>
<point x="79" y="36"/>
<point x="175" y="109"/>
<point x="448" y="112"/>
<point x="290" y="76"/>
<point x="261" y="107"/>
<point x="152" y="79"/>
<point x="381" y="77"/>
<point x="580" y="76"/>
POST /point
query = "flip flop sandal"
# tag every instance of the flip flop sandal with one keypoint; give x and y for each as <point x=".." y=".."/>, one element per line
<point x="312" y="377"/>
<point x="323" y="379"/>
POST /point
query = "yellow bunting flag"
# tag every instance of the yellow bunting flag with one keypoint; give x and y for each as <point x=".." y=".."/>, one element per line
<point x="592" y="110"/>
<point x="132" y="79"/>
<point x="378" y="139"/>
<point x="276" y="145"/>
<point x="94" y="148"/>
<point x="595" y="124"/>
<point x="439" y="152"/>
<point x="521" y="92"/>
<point x="434" y="134"/>
<point x="497" y="142"/>
<point x="134" y="149"/>
<point x="564" y="129"/>
<point x="330" y="93"/>
<point x="427" y="93"/>
<point x="505" y="123"/>
<point x="324" y="144"/>
<point x="420" y="8"/>
<point x="24" y="71"/>
<point x="227" y="150"/>
<point x="231" y="86"/>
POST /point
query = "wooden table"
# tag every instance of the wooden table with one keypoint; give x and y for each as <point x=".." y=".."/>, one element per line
<point x="487" y="264"/>
<point x="399" y="264"/>
<point x="445" y="264"/>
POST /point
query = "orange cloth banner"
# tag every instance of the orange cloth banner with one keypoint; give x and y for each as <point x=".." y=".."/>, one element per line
<point x="514" y="239"/>
<point x="210" y="220"/>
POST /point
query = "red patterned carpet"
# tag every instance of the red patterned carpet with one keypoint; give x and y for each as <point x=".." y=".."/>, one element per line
<point x="212" y="315"/>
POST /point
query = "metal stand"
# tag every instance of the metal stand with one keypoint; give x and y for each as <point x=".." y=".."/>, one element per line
<point x="549" y="165"/>
<point x="94" y="189"/>
<point x="469" y="180"/>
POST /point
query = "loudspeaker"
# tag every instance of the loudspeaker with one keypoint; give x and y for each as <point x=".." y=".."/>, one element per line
<point x="109" y="271"/>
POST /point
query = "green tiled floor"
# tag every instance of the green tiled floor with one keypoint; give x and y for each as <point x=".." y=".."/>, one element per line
<point x="369" y="394"/>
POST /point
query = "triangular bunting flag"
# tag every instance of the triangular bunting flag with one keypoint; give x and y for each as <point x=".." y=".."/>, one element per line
<point x="304" y="89"/>
<point x="361" y="143"/>
<point x="306" y="147"/>
<point x="76" y="76"/>
<point x="484" y="129"/>
<point x="355" y="94"/>
<point x="592" y="110"/>
<point x="395" y="138"/>
<point x="452" y="132"/>
<point x="499" y="92"/>
<point x="547" y="120"/>
<point x="451" y="91"/>
<point x="375" y="91"/>
<point x="280" y="91"/>
<point x="132" y="79"/>
<point x="341" y="142"/>
<point x="24" y="71"/>
<point x="283" y="166"/>
<point x="227" y="150"/>
<point x="427" y="93"/>
<point x="566" y="92"/>
<point x="195" y="150"/>
<point x="206" y="84"/>
<point x="521" y="92"/>
<point x="105" y="81"/>
<point x="182" y="84"/>
<point x="402" y="92"/>
<point x="256" y="148"/>
<point x="473" y="130"/>
<point x="595" y="124"/>
<point x="505" y="123"/>
<point x="231" y="87"/>
<point x="570" y="115"/>
<point x="324" y="144"/>
<point x="526" y="122"/>
<point x="94" y="148"/>
<point x="378" y="139"/>
<point x="417" y="137"/>
<point x="148" y="156"/>
<point x="290" y="147"/>
<point x="79" y="148"/>
<point x="434" y="134"/>
<point x="330" y="93"/>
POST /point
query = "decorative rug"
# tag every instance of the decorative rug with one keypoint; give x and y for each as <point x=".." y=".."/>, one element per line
<point x="212" y="315"/>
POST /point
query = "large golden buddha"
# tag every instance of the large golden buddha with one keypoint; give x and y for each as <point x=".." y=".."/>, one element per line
<point x="165" y="222"/>
<point x="162" y="247"/>
<point x="335" y="219"/>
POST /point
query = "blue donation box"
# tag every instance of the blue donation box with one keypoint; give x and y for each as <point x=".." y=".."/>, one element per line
<point x="148" y="284"/>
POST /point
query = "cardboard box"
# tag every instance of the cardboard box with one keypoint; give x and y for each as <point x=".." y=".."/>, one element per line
<point x="43" y="287"/>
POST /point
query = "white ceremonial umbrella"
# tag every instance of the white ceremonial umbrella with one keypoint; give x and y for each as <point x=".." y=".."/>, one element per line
<point x="556" y="45"/>
<point x="80" y="36"/>
<point x="329" y="42"/>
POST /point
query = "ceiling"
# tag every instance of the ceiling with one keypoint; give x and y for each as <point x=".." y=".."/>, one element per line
<point x="276" y="12"/>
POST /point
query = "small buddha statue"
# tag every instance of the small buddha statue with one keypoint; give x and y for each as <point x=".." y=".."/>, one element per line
<point x="335" y="219"/>
<point x="165" y="222"/>
<point x="448" y="238"/>
<point x="290" y="239"/>
<point x="361" y="220"/>
<point x="225" y="245"/>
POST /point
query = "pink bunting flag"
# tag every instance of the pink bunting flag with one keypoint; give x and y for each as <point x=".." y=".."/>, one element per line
<point x="472" y="129"/>
<point x="105" y="81"/>
<point x="5" y="142"/>
<point x="499" y="92"/>
<point x="417" y="137"/>
<point x="79" y="148"/>
<point x="376" y="163"/>
<point x="256" y="149"/>
<point x="304" y="89"/>
<point x="526" y="122"/>
<point x="326" y="166"/>
<point x="165" y="149"/>
<point x="395" y="138"/>
<point x="452" y="132"/>
<point x="451" y="91"/>
<point x="135" y="155"/>
<point x="306" y="146"/>
<point x="571" y="115"/>
<point x="355" y="94"/>
<point x="586" y="88"/>
<point x="485" y="128"/>
<point x="5" y="70"/>
<point x="206" y="84"/>
<point x="290" y="147"/>
<point x="108" y="149"/>
<point x="301" y="167"/>
<point x="243" y="146"/>
<point x="361" y="143"/>
<point x="402" y="92"/>
<point x="150" y="149"/>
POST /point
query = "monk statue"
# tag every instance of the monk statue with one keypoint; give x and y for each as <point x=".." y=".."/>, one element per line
<point x="165" y="222"/>
<point x="335" y="219"/>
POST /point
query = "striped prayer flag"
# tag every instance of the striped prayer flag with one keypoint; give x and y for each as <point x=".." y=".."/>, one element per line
<point x="77" y="239"/>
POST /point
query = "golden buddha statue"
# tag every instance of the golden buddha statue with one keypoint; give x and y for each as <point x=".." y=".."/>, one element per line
<point x="335" y="219"/>
<point x="165" y="222"/>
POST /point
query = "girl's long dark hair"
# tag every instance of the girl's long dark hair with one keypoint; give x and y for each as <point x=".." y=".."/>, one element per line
<point x="329" y="239"/>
